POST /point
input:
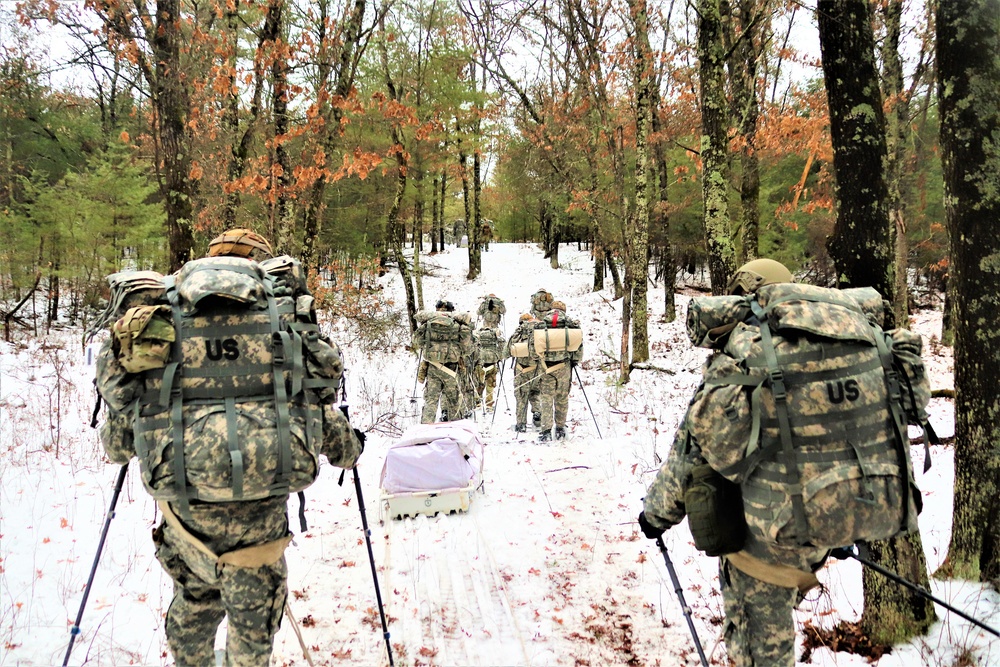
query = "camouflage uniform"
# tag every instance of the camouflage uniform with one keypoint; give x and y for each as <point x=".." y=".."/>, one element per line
<point x="526" y="372"/>
<point x="442" y="386"/>
<point x="758" y="629"/>
<point x="554" y="383"/>
<point x="541" y="303"/>
<point x="226" y="559"/>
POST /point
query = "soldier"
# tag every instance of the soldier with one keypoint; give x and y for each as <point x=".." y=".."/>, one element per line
<point x="541" y="303"/>
<point x="526" y="371"/>
<point x="225" y="557"/>
<point x="556" y="374"/>
<point x="491" y="310"/>
<point x="448" y="349"/>
<point x="761" y="580"/>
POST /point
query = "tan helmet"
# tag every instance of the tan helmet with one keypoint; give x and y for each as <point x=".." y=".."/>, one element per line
<point x="757" y="273"/>
<point x="525" y="317"/>
<point x="559" y="305"/>
<point x="240" y="243"/>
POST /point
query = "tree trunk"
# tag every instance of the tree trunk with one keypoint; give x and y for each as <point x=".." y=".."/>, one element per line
<point x="434" y="215"/>
<point x="660" y="219"/>
<point x="743" y="73"/>
<point x="475" y="243"/>
<point x="969" y="103"/>
<point x="639" y="256"/>
<point x="897" y="132"/>
<point x="597" y="252"/>
<point x="463" y="161"/>
<point x="715" y="145"/>
<point x="283" y="225"/>
<point x="860" y="242"/>
<point x="862" y="253"/>
<point x="171" y="99"/>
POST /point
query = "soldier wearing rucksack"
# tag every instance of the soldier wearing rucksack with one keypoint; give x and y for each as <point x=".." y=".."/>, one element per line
<point x="794" y="444"/>
<point x="526" y="372"/>
<point x="541" y="303"/>
<point x="491" y="351"/>
<point x="491" y="311"/>
<point x="219" y="380"/>
<point x="557" y="346"/>
<point x="444" y="338"/>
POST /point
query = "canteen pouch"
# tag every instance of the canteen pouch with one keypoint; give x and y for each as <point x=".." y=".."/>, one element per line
<point x="715" y="512"/>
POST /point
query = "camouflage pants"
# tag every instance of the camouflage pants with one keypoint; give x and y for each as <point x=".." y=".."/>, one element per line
<point x="759" y="631"/>
<point x="553" y="394"/>
<point x="486" y="383"/>
<point x="525" y="391"/>
<point x="440" y="386"/>
<point x="252" y="598"/>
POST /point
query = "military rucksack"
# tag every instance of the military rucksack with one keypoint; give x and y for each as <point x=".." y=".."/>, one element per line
<point x="236" y="410"/>
<point x="490" y="346"/>
<point x="541" y="303"/>
<point x="803" y="408"/>
<point x="491" y="310"/>
<point x="445" y="338"/>
<point x="556" y="338"/>
<point x="127" y="290"/>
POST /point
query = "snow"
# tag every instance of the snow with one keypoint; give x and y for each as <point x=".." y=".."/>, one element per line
<point x="547" y="567"/>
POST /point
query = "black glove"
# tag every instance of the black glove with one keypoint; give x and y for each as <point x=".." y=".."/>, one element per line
<point x="360" y="435"/>
<point x="648" y="529"/>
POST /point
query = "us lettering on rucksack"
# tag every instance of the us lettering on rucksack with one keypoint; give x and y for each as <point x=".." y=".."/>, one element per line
<point x="803" y="408"/>
<point x="240" y="407"/>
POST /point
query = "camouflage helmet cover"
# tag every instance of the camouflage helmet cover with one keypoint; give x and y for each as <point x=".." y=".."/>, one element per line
<point x="757" y="273"/>
<point x="559" y="305"/>
<point x="240" y="243"/>
<point x="525" y="317"/>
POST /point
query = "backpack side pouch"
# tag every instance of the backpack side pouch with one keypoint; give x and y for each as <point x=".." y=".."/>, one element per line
<point x="715" y="512"/>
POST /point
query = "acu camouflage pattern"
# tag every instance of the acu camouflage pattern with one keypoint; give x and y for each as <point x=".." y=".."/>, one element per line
<point x="855" y="473"/>
<point x="541" y="303"/>
<point x="443" y="337"/>
<point x="441" y="387"/>
<point x="556" y="320"/>
<point x="253" y="598"/>
<point x="144" y="335"/>
<point x="526" y="374"/>
<point x="491" y="311"/>
<point x="553" y="395"/>
<point x="128" y="289"/>
<point x="758" y="629"/>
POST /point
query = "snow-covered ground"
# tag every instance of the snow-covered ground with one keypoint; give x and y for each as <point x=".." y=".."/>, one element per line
<point x="547" y="568"/>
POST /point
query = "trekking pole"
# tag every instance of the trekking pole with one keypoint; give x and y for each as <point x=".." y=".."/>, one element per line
<point x="368" y="541"/>
<point x="685" y="609"/>
<point x="413" y="396"/>
<point x="584" y="391"/>
<point x="75" y="630"/>
<point x="843" y="553"/>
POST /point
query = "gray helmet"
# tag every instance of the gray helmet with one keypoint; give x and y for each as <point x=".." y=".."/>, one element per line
<point x="757" y="273"/>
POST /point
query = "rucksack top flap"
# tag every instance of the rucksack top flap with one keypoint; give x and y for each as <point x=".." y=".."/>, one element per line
<point x="816" y="310"/>
<point x="232" y="278"/>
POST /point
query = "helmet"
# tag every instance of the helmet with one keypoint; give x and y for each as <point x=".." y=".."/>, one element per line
<point x="446" y="306"/>
<point x="559" y="305"/>
<point x="240" y="243"/>
<point x="525" y="317"/>
<point x="757" y="273"/>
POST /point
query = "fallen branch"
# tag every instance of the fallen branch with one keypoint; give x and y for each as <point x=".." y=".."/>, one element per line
<point x="646" y="366"/>
<point x="946" y="440"/>
<point x="567" y="468"/>
<point x="942" y="393"/>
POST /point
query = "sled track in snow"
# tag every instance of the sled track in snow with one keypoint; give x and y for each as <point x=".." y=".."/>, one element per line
<point x="449" y="602"/>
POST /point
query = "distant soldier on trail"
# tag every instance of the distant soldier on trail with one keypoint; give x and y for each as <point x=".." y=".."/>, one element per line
<point x="526" y="371"/>
<point x="445" y="339"/>
<point x="558" y="346"/>
<point x="541" y="303"/>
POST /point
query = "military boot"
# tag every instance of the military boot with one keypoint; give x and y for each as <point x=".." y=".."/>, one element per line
<point x="520" y="428"/>
<point x="536" y="419"/>
<point x="545" y="436"/>
<point x="444" y="415"/>
<point x="560" y="432"/>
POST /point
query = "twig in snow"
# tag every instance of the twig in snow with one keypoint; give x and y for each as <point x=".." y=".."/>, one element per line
<point x="646" y="366"/>
<point x="567" y="468"/>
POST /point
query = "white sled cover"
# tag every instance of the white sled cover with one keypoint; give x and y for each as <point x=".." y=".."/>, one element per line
<point x="434" y="457"/>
